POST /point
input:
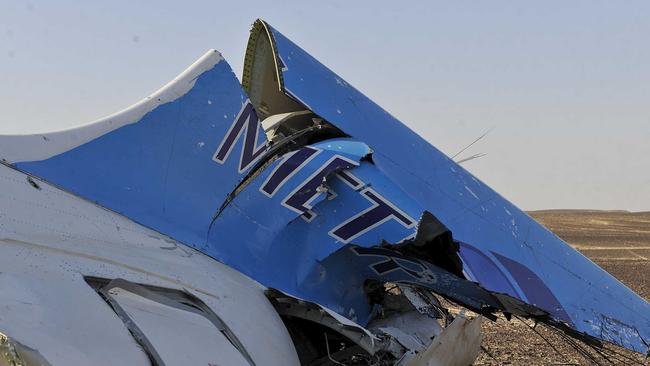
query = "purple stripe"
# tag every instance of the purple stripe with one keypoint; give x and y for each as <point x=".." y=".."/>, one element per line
<point x="381" y="211"/>
<point x="536" y="291"/>
<point x="350" y="179"/>
<point x="405" y="220"/>
<point x="485" y="271"/>
<point x="246" y="120"/>
<point x="285" y="169"/>
<point x="308" y="190"/>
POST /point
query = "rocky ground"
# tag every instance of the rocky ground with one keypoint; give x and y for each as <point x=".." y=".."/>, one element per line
<point x="617" y="241"/>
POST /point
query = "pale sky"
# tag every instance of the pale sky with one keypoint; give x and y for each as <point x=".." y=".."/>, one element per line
<point x="564" y="85"/>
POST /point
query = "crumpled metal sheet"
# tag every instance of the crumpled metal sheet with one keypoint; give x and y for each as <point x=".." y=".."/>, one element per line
<point x="285" y="244"/>
<point x="527" y="255"/>
<point x="458" y="345"/>
<point x="292" y="225"/>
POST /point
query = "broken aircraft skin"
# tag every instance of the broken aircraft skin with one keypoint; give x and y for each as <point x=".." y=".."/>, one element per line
<point x="299" y="181"/>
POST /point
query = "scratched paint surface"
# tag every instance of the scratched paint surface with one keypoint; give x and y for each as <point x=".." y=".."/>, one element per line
<point x="281" y="247"/>
<point x="474" y="212"/>
<point x="162" y="171"/>
<point x="289" y="226"/>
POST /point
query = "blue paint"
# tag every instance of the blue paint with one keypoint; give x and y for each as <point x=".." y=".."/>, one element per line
<point x="469" y="208"/>
<point x="485" y="271"/>
<point x="160" y="171"/>
<point x="536" y="291"/>
<point x="281" y="249"/>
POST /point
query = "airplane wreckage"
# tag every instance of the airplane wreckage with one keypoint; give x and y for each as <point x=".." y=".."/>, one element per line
<point x="283" y="220"/>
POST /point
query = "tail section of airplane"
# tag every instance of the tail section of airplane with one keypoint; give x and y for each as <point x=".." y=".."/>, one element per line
<point x="167" y="162"/>
<point x="324" y="204"/>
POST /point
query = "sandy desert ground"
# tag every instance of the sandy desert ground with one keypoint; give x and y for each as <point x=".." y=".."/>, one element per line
<point x="617" y="241"/>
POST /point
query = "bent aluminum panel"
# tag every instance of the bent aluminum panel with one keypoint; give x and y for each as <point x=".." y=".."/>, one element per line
<point x="591" y="300"/>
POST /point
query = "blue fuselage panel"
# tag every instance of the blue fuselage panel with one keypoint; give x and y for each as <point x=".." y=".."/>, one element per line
<point x="527" y="255"/>
<point x="310" y="222"/>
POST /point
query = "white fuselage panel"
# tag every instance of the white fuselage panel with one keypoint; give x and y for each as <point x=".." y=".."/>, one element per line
<point x="51" y="240"/>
